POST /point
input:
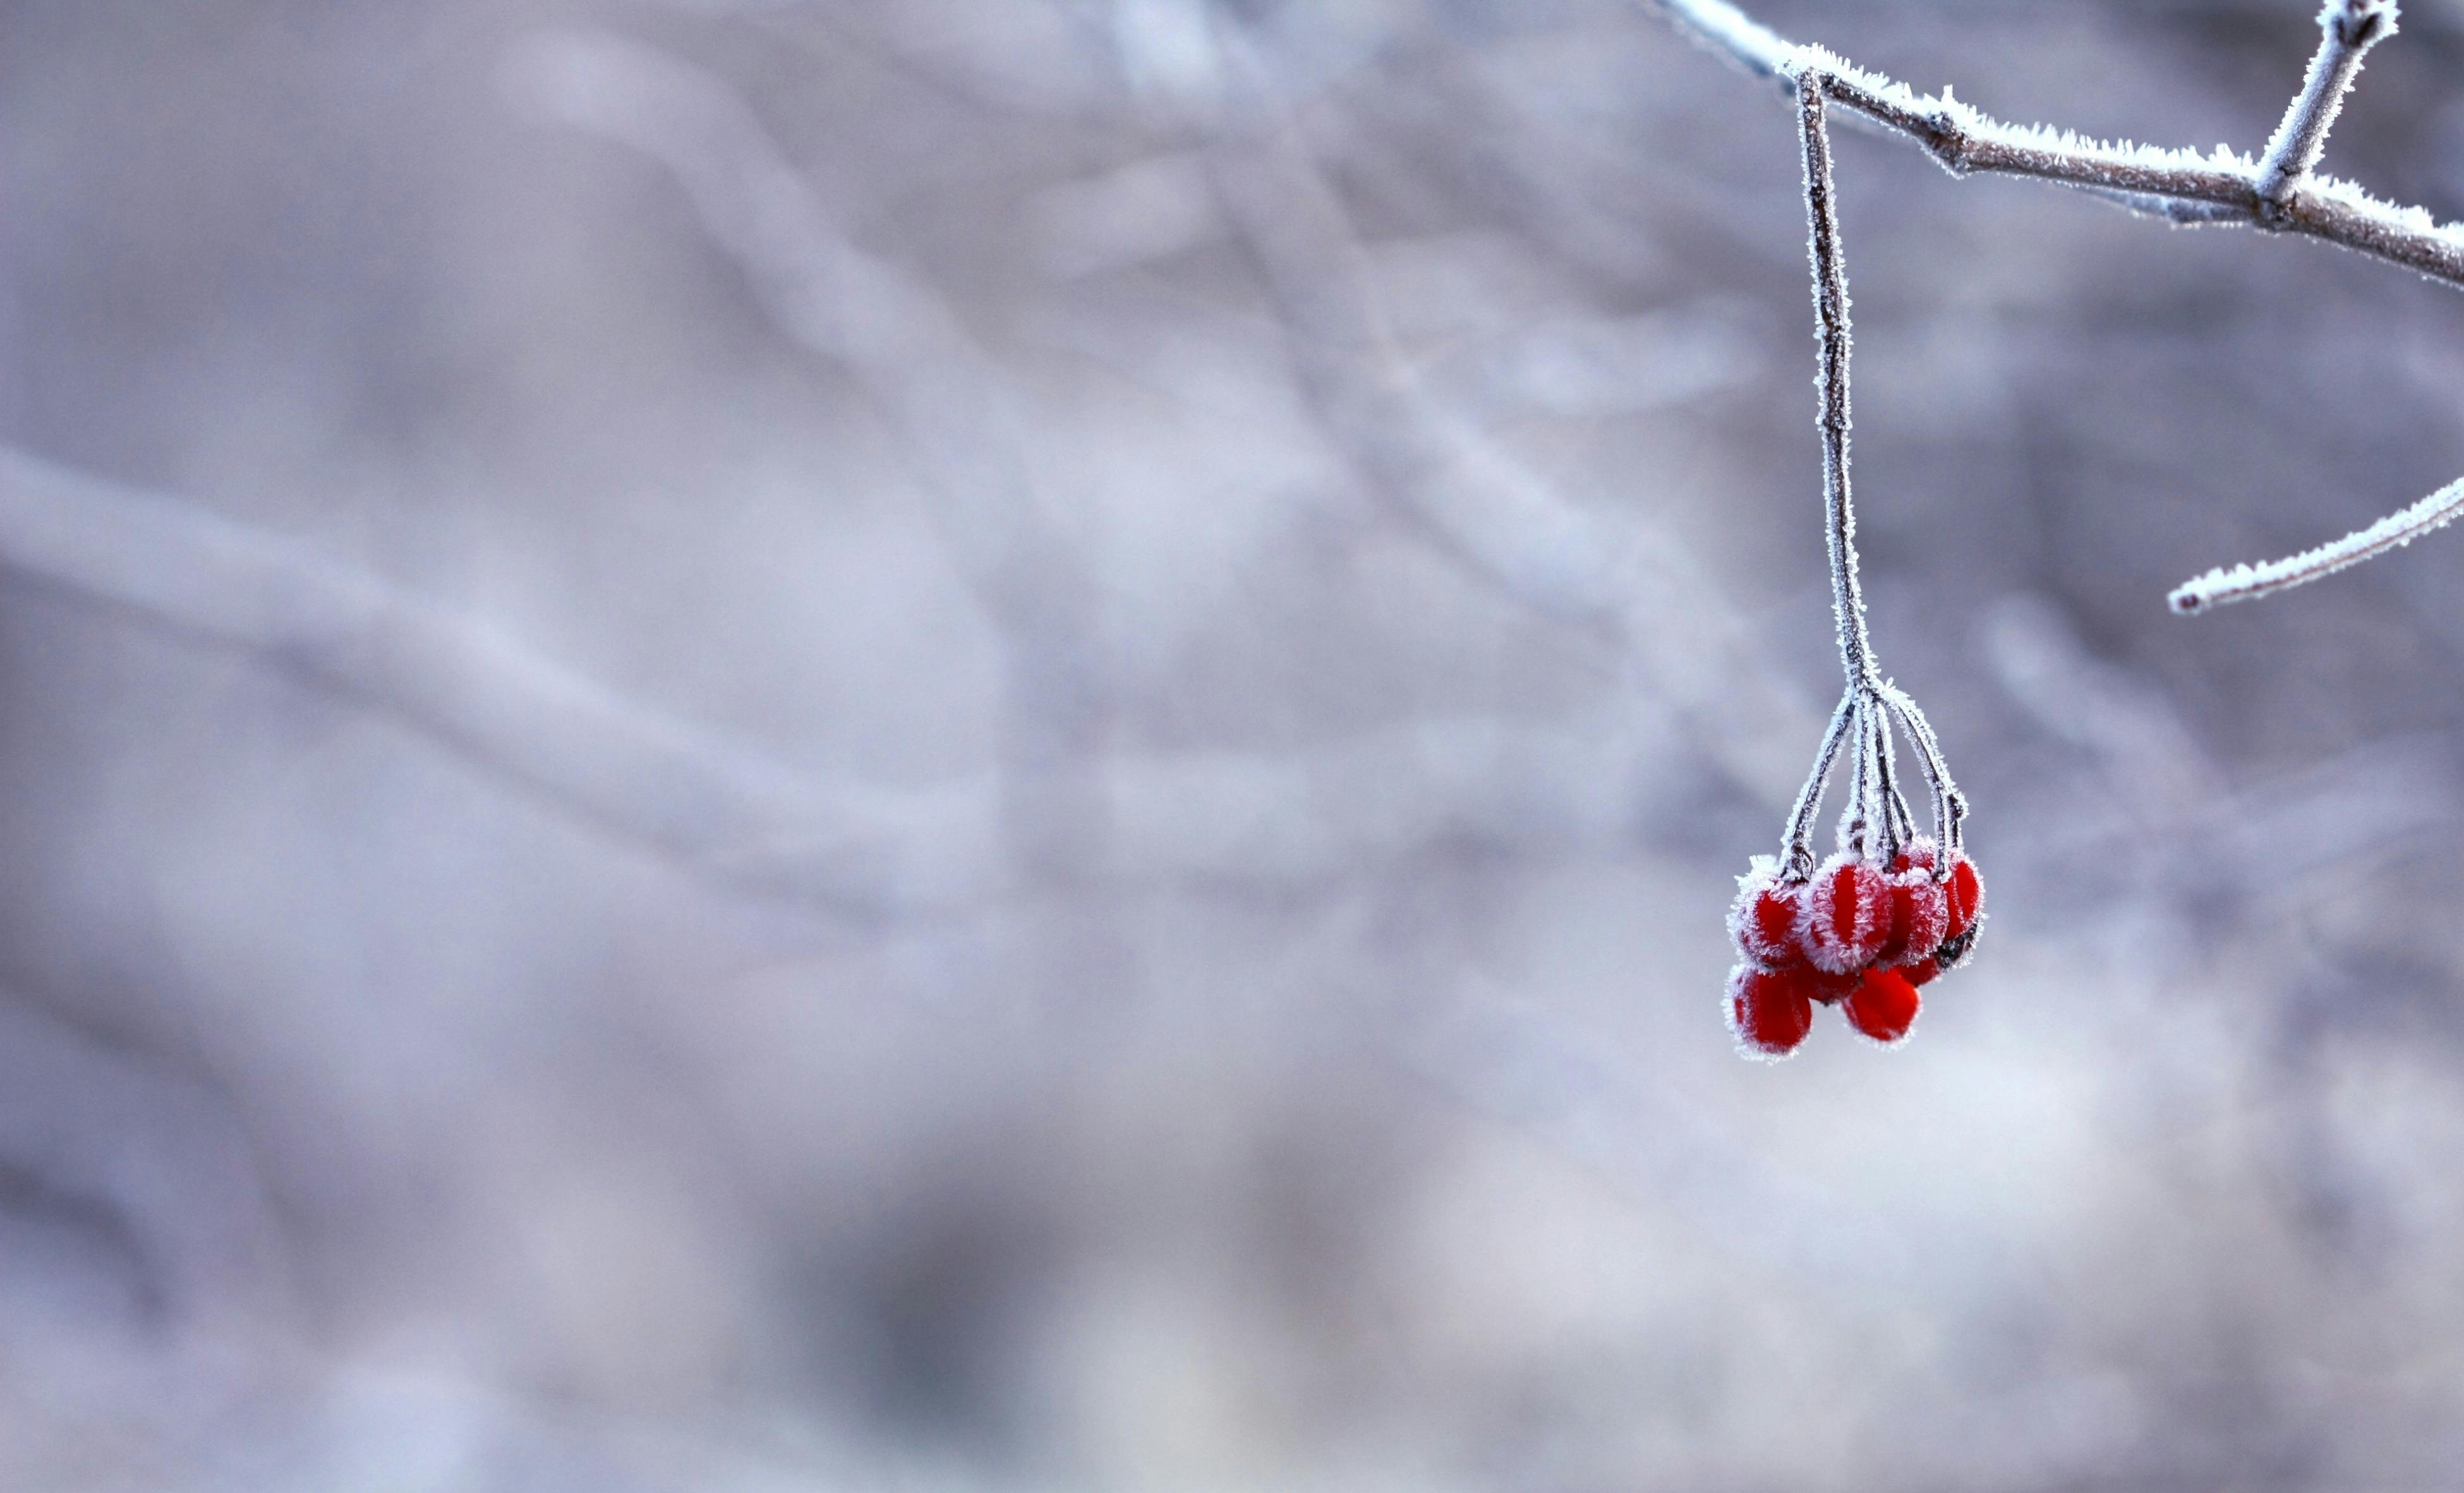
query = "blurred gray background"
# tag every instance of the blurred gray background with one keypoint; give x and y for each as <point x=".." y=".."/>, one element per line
<point x="997" y="744"/>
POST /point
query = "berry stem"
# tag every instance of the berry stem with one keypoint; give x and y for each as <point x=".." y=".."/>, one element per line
<point x="1950" y="805"/>
<point x="1798" y="858"/>
<point x="1875" y="820"/>
<point x="1830" y="328"/>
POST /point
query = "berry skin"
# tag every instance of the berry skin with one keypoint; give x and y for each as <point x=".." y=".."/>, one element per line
<point x="1847" y="914"/>
<point x="1769" y="1011"/>
<point x="1920" y="916"/>
<point x="1963" y="896"/>
<point x="1763" y="922"/>
<point x="1824" y="986"/>
<point x="1884" y="1005"/>
<point x="1965" y="892"/>
<point x="1923" y="972"/>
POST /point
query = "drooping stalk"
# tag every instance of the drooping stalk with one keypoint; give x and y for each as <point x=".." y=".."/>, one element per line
<point x="1831" y="327"/>
<point x="1875" y="820"/>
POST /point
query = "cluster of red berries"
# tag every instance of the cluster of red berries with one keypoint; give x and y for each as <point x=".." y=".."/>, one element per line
<point x="1857" y="931"/>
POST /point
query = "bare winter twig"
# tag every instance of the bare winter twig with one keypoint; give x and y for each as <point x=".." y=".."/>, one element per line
<point x="2347" y="29"/>
<point x="2279" y="192"/>
<point x="2247" y="582"/>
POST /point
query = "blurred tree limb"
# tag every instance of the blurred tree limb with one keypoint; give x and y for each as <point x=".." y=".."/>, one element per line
<point x="742" y="822"/>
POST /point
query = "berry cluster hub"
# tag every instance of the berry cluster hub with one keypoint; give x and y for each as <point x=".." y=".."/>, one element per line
<point x="1893" y="909"/>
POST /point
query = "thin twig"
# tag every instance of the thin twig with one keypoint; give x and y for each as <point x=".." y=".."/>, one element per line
<point x="1949" y="806"/>
<point x="1730" y="33"/>
<point x="1797" y="856"/>
<point x="2347" y="29"/>
<point x="2246" y="583"/>
<point x="1831" y="327"/>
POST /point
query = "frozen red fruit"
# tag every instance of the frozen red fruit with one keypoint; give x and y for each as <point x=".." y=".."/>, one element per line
<point x="1917" y="855"/>
<point x="1763" y="921"/>
<point x="1920" y="916"/>
<point x="1769" y="1011"/>
<point x="1966" y="894"/>
<point x="1847" y="914"/>
<point x="1823" y="985"/>
<point x="1922" y="972"/>
<point x="1884" y="1005"/>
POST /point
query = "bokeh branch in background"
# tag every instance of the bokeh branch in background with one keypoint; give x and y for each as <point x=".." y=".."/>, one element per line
<point x="862" y="852"/>
<point x="957" y="415"/>
<point x="2276" y="193"/>
<point x="1634" y="580"/>
<point x="672" y="788"/>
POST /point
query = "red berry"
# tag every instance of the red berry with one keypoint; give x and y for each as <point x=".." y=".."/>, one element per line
<point x="1847" y="914"/>
<point x="1884" y="1005"/>
<point x="1769" y="1011"/>
<point x="1823" y="985"/>
<point x="1966" y="894"/>
<point x="1920" y="912"/>
<point x="1917" y="854"/>
<point x="1763" y="922"/>
<point x="1921" y="973"/>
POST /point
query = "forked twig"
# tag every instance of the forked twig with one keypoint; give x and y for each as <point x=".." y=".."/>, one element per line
<point x="2279" y="192"/>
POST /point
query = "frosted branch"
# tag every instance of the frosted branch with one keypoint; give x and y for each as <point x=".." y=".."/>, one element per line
<point x="2183" y="186"/>
<point x="1729" y="32"/>
<point x="2280" y="191"/>
<point x="2347" y="29"/>
<point x="2246" y="583"/>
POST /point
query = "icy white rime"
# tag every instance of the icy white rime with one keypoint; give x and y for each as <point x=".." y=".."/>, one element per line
<point x="2278" y="191"/>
